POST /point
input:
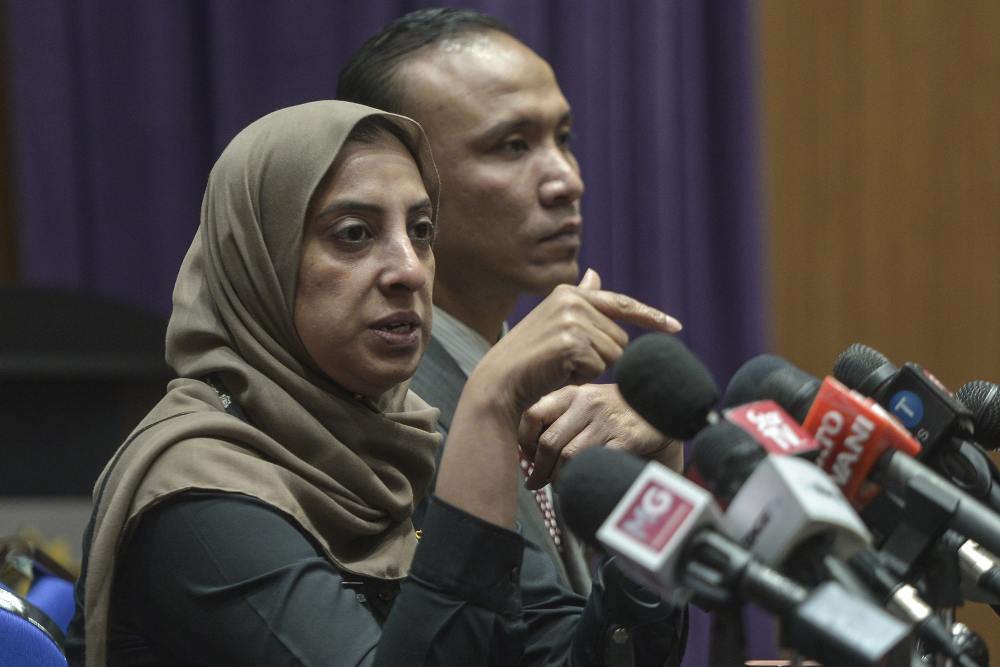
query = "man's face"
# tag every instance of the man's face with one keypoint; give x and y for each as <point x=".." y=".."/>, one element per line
<point x="499" y="127"/>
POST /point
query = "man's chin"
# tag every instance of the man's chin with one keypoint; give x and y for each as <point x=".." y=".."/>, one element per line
<point x="540" y="283"/>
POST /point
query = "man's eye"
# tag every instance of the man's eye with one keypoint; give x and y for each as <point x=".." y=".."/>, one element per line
<point x="515" y="146"/>
<point x="564" y="138"/>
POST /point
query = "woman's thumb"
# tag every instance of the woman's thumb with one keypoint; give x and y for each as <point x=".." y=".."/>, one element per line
<point x="590" y="280"/>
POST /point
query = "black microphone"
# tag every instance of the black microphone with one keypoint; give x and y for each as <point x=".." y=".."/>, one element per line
<point x="661" y="528"/>
<point x="863" y="444"/>
<point x="667" y="385"/>
<point x="791" y="515"/>
<point x="983" y="399"/>
<point x="787" y="511"/>
<point x="768" y="376"/>
<point x="942" y="424"/>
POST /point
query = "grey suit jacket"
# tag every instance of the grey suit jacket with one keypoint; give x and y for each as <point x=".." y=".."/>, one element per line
<point x="439" y="381"/>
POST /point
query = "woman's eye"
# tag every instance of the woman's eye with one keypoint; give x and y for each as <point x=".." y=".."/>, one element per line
<point x="352" y="234"/>
<point x="423" y="231"/>
<point x="564" y="138"/>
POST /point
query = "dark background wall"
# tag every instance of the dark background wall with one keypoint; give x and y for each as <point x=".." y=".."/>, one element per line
<point x="117" y="110"/>
<point x="120" y="109"/>
<point x="8" y="266"/>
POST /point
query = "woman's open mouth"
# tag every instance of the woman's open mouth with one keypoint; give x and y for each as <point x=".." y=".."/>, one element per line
<point x="398" y="330"/>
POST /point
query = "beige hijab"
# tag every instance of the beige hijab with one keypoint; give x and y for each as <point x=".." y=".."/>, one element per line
<point x="347" y="470"/>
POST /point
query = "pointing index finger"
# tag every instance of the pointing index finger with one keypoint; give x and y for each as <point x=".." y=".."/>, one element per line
<point x="625" y="308"/>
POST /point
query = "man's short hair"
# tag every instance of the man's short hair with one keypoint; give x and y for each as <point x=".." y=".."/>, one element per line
<point x="369" y="76"/>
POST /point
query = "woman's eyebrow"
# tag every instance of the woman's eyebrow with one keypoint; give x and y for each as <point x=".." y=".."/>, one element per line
<point x="424" y="203"/>
<point x="339" y="205"/>
<point x="349" y="205"/>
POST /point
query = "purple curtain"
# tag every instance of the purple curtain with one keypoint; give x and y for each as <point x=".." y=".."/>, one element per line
<point x="119" y="109"/>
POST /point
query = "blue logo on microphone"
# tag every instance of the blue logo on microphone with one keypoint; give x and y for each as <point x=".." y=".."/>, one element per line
<point x="907" y="408"/>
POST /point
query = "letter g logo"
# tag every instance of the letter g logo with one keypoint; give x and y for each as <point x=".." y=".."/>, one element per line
<point x="657" y="501"/>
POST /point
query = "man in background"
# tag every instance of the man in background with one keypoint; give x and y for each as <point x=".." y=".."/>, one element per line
<point x="509" y="225"/>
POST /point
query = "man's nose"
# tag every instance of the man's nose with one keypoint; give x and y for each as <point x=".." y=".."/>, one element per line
<point x="562" y="184"/>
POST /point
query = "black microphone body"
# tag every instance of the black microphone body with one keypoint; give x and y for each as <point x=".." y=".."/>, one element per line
<point x="907" y="481"/>
<point x="942" y="424"/>
<point x="726" y="457"/>
<point x="983" y="399"/>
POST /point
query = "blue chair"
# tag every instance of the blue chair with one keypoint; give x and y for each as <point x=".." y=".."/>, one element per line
<point x="28" y="637"/>
<point x="54" y="596"/>
<point x="32" y="626"/>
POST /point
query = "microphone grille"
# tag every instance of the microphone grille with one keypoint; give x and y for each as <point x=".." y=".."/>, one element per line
<point x="862" y="368"/>
<point x="745" y="385"/>
<point x="725" y="456"/>
<point x="666" y="384"/>
<point x="770" y="377"/>
<point x="983" y="399"/>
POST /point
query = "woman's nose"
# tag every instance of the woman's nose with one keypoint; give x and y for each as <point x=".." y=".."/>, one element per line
<point x="404" y="266"/>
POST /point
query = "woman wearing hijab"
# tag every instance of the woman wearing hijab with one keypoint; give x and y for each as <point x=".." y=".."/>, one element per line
<point x="261" y="513"/>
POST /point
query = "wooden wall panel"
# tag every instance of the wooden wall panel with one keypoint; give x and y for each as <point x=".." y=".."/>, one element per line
<point x="882" y="164"/>
<point x="882" y="147"/>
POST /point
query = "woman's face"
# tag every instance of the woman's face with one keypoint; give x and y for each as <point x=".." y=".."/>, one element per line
<point x="363" y="300"/>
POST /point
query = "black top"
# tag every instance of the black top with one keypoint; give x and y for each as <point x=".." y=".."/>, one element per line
<point x="222" y="579"/>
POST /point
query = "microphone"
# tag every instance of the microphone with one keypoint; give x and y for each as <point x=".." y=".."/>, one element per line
<point x="862" y="445"/>
<point x="789" y="513"/>
<point x="913" y="395"/>
<point x="958" y="643"/>
<point x="944" y="425"/>
<point x="768" y="376"/>
<point x="855" y="433"/>
<point x="980" y="569"/>
<point x="667" y="385"/>
<point x="784" y="509"/>
<point x="724" y="455"/>
<point x="773" y="429"/>
<point x="851" y="431"/>
<point x="661" y="528"/>
<point x="983" y="399"/>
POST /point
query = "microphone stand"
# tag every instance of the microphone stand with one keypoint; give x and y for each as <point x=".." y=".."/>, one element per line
<point x="728" y="645"/>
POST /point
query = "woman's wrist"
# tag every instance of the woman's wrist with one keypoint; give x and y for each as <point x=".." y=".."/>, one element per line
<point x="491" y="396"/>
<point x="479" y="471"/>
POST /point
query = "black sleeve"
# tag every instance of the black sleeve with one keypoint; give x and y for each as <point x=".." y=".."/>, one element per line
<point x="538" y="621"/>
<point x="619" y="624"/>
<point x="222" y="579"/>
<point x="215" y="579"/>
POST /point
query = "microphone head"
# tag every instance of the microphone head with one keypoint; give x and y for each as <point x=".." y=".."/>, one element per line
<point x="725" y="455"/>
<point x="744" y="386"/>
<point x="983" y="399"/>
<point x="591" y="484"/>
<point x="769" y="377"/>
<point x="666" y="384"/>
<point x="863" y="369"/>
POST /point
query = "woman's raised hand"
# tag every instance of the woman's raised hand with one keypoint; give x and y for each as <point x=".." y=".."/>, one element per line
<point x="569" y="338"/>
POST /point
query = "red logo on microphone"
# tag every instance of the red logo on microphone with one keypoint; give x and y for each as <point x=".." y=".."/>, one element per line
<point x="654" y="516"/>
<point x="853" y="431"/>
<point x="772" y="428"/>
